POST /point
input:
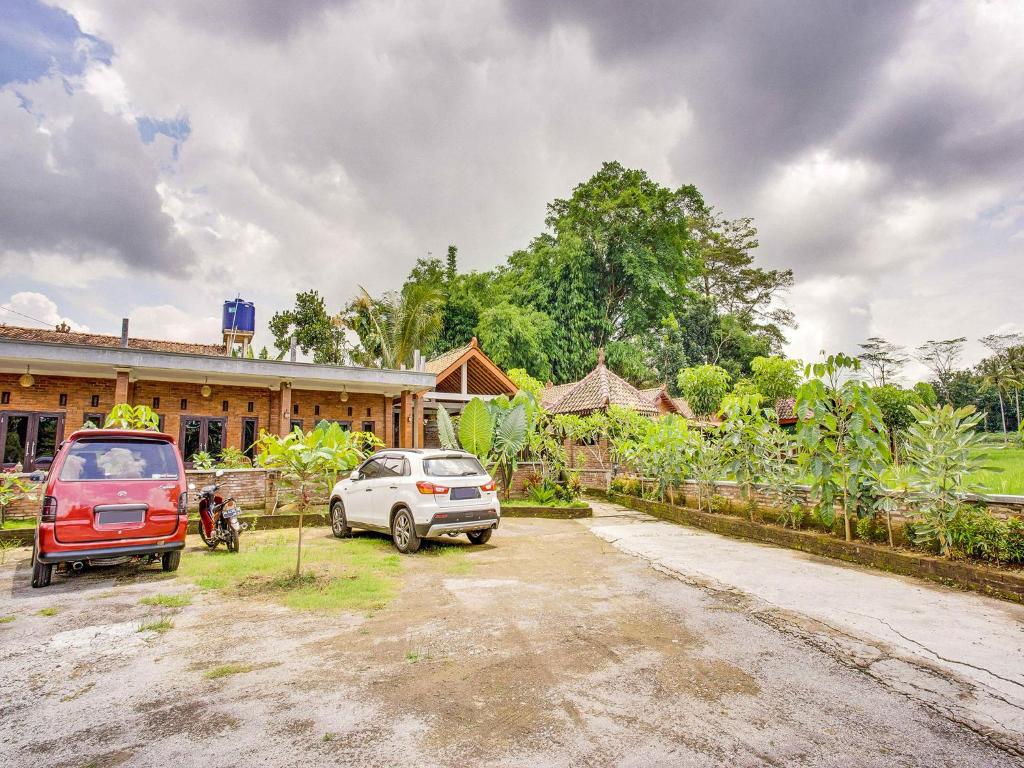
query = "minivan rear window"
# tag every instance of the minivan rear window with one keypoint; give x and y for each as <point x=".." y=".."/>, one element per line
<point x="113" y="459"/>
<point x="452" y="466"/>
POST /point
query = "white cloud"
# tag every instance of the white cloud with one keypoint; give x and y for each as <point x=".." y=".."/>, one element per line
<point x="168" y="322"/>
<point x="34" y="310"/>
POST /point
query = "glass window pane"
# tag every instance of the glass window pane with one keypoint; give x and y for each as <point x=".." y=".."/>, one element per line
<point x="190" y="438"/>
<point x="452" y="466"/>
<point x="248" y="437"/>
<point x="214" y="437"/>
<point x="46" y="439"/>
<point x="17" y="436"/>
<point x="107" y="459"/>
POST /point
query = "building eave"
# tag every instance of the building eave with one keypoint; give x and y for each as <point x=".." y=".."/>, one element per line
<point x="103" y="362"/>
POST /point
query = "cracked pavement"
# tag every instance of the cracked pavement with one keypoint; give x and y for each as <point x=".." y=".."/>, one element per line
<point x="958" y="653"/>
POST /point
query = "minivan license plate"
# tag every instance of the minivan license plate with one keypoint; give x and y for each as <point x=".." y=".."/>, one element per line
<point x="458" y="494"/>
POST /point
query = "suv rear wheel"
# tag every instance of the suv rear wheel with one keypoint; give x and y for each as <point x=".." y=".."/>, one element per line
<point x="339" y="523"/>
<point x="479" y="537"/>
<point x="41" y="572"/>
<point x="171" y="560"/>
<point x="403" y="532"/>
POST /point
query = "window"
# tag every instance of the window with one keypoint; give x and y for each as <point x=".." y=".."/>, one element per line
<point x="249" y="435"/>
<point x="95" y="401"/>
<point x="452" y="466"/>
<point x="296" y="423"/>
<point x="96" y="419"/>
<point x="250" y="407"/>
<point x="395" y="466"/>
<point x="5" y="398"/>
<point x="369" y="412"/>
<point x="350" y="410"/>
<point x="156" y="403"/>
<point x="184" y="404"/>
<point x="369" y="426"/>
<point x="372" y="469"/>
<point x="201" y="434"/>
<point x="224" y="406"/>
<point x="316" y="410"/>
<point x="295" y="408"/>
<point x="63" y="399"/>
<point x="106" y="459"/>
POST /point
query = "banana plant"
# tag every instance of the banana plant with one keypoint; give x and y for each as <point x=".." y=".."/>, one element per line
<point x="496" y="432"/>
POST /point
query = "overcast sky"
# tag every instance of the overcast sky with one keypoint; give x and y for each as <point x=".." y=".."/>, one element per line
<point x="158" y="158"/>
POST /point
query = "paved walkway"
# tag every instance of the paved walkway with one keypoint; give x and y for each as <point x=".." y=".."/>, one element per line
<point x="959" y="653"/>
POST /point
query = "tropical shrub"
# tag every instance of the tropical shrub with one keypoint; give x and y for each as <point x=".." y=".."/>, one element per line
<point x="781" y="475"/>
<point x="542" y="494"/>
<point x="233" y="458"/>
<point x="1015" y="540"/>
<point x="202" y="460"/>
<point x="842" y="436"/>
<point x="978" y="534"/>
<point x="775" y="378"/>
<point x="126" y="416"/>
<point x="704" y="386"/>
<point x="743" y="432"/>
<point x="12" y="488"/>
<point x="497" y="432"/>
<point x="706" y="467"/>
<point x="943" y="451"/>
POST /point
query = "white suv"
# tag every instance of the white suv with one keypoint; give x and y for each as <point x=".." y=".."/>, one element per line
<point x="417" y="493"/>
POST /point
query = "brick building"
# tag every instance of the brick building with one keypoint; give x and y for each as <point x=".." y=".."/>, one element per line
<point x="52" y="382"/>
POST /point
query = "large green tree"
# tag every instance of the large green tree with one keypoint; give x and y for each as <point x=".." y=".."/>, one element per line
<point x="516" y="337"/>
<point x="315" y="330"/>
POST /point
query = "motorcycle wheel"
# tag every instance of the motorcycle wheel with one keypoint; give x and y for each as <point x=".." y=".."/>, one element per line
<point x="233" y="540"/>
<point x="210" y="541"/>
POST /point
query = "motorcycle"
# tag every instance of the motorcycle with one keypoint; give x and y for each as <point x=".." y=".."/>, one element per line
<point x="218" y="517"/>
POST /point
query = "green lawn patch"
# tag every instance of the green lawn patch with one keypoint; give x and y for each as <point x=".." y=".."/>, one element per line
<point x="48" y="611"/>
<point x="11" y="525"/>
<point x="6" y="619"/>
<point x="359" y="573"/>
<point x="160" y="625"/>
<point x="167" y="601"/>
<point x="1010" y="461"/>
<point x="454" y="556"/>
<point x="226" y="670"/>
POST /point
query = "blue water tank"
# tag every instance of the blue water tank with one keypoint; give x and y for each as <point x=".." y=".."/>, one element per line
<point x="239" y="316"/>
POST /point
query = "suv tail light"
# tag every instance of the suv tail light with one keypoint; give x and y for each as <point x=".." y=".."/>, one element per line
<point x="49" y="513"/>
<point x="491" y="486"/>
<point x="427" y="488"/>
<point x="182" y="504"/>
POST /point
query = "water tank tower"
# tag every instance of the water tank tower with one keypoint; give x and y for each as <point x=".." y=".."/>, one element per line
<point x="239" y="324"/>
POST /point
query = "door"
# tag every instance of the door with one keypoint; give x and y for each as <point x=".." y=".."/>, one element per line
<point x="250" y="434"/>
<point x="201" y="434"/>
<point x="386" y="490"/>
<point x="359" y="498"/>
<point x="30" y="439"/>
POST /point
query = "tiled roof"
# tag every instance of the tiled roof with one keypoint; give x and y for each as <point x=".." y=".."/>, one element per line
<point x="600" y="389"/>
<point x="18" y="333"/>
<point x="684" y="408"/>
<point x="551" y="395"/>
<point x="442" y="361"/>
<point x="785" y="409"/>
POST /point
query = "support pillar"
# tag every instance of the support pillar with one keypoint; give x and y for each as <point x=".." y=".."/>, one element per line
<point x="417" y="421"/>
<point x="121" y="388"/>
<point x="405" y="420"/>
<point x="284" y="424"/>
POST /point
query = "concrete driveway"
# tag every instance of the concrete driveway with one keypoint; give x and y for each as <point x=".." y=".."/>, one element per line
<point x="957" y="653"/>
<point x="549" y="647"/>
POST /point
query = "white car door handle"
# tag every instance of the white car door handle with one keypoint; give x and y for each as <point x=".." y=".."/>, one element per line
<point x="369" y="490"/>
<point x="393" y="487"/>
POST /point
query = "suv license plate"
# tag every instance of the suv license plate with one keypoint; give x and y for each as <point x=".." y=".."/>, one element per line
<point x="458" y="494"/>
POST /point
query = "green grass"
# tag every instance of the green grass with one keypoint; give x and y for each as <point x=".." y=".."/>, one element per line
<point x="160" y="625"/>
<point x="349" y="574"/>
<point x="47" y="611"/>
<point x="1010" y="461"/>
<point x="453" y="556"/>
<point x="11" y="525"/>
<point x="167" y="601"/>
<point x="226" y="670"/>
<point x="6" y="619"/>
<point x="556" y="505"/>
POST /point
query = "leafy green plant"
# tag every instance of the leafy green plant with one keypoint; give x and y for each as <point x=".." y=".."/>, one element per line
<point x="704" y="386"/>
<point x="12" y="488"/>
<point x="842" y="435"/>
<point x="775" y="378"/>
<point x="943" y="450"/>
<point x="310" y="462"/>
<point x="781" y="475"/>
<point x="542" y="494"/>
<point x="476" y="429"/>
<point x="126" y="416"/>
<point x="978" y="534"/>
<point x="743" y="431"/>
<point x="706" y="468"/>
<point x="202" y="460"/>
<point x="233" y="458"/>
<point x="1015" y="540"/>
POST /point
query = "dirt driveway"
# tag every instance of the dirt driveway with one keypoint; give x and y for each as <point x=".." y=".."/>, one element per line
<point x="548" y="647"/>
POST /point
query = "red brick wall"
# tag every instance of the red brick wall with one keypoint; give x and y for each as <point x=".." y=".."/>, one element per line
<point x="44" y="395"/>
<point x="358" y="408"/>
<point x="172" y="393"/>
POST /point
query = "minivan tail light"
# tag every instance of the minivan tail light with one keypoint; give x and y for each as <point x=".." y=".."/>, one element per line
<point x="428" y="488"/>
<point x="49" y="513"/>
<point x="491" y="486"/>
<point x="182" y="504"/>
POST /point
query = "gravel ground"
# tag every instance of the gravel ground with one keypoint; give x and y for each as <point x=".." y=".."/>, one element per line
<point x="548" y="647"/>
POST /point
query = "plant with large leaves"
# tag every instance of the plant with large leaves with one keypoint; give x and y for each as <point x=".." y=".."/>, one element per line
<point x="744" y="431"/>
<point x="126" y="416"/>
<point x="842" y="434"/>
<point x="12" y="488"/>
<point x="497" y="432"/>
<point x="943" y="452"/>
<point x="310" y="462"/>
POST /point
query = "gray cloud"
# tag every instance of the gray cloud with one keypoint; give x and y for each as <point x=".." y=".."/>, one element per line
<point x="76" y="180"/>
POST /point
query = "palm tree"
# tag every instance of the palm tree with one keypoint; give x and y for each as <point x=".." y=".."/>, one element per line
<point x="1015" y="361"/>
<point x="996" y="374"/>
<point x="392" y="327"/>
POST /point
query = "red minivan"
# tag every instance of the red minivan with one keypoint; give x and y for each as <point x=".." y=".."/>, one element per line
<point x="111" y="493"/>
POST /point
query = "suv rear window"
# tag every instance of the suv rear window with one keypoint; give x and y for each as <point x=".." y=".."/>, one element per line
<point x="452" y="466"/>
<point x="112" y="459"/>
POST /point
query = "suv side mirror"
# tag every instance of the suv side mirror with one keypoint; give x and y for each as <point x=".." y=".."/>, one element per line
<point x="356" y="475"/>
<point x="219" y="473"/>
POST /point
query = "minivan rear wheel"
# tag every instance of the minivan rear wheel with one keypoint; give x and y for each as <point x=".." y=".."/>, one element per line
<point x="171" y="560"/>
<point x="403" y="532"/>
<point x="41" y="572"/>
